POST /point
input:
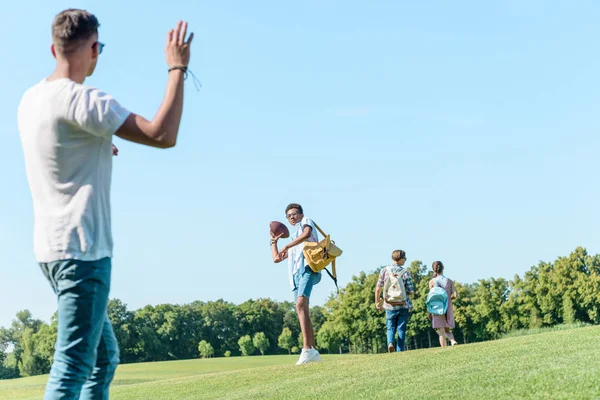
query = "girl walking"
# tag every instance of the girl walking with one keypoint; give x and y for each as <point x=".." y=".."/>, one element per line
<point x="443" y="323"/>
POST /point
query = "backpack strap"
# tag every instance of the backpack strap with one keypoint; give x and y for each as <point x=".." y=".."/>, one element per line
<point x="401" y="271"/>
<point x="437" y="282"/>
<point x="334" y="275"/>
<point x="319" y="229"/>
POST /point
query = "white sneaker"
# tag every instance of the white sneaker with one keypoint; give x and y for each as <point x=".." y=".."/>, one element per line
<point x="308" y="356"/>
<point x="303" y="357"/>
<point x="314" y="355"/>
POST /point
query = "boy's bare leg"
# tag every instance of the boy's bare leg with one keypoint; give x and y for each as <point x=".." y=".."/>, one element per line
<point x="305" y="323"/>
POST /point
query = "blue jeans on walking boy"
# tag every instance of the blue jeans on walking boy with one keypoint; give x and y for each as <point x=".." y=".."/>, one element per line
<point x="86" y="352"/>
<point x="396" y="320"/>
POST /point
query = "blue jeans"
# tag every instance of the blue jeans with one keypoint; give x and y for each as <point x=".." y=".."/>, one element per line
<point x="86" y="352"/>
<point x="304" y="280"/>
<point x="396" y="320"/>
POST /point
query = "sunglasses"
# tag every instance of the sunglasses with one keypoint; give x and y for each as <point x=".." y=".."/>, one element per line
<point x="290" y="215"/>
<point x="100" y="46"/>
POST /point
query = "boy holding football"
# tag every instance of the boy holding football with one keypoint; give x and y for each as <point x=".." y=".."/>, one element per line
<point x="301" y="276"/>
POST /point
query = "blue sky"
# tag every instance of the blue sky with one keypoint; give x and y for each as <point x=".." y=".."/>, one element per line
<point x="460" y="131"/>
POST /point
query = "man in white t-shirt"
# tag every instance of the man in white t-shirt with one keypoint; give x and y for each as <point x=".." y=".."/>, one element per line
<point x="301" y="276"/>
<point x="66" y="131"/>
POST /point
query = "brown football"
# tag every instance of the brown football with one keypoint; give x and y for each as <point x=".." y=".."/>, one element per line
<point x="277" y="228"/>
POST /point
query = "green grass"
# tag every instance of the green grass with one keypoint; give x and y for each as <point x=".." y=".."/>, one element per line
<point x="535" y="331"/>
<point x="562" y="364"/>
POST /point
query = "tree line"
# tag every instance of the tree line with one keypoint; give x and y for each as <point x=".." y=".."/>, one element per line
<point x="564" y="291"/>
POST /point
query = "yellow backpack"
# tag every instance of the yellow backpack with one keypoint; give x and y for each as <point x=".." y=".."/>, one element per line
<point x="320" y="255"/>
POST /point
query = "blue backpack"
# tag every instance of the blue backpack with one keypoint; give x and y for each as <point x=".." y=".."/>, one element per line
<point x="437" y="301"/>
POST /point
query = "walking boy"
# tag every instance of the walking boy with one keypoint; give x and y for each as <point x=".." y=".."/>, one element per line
<point x="396" y="313"/>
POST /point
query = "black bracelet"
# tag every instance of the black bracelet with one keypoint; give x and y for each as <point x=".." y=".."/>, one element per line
<point x="181" y="68"/>
<point x="185" y="75"/>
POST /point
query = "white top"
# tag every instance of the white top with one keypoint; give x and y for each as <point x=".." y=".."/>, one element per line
<point x="296" y="259"/>
<point x="66" y="131"/>
<point x="441" y="281"/>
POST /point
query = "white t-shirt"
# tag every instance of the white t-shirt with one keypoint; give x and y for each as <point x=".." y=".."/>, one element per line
<point x="66" y="131"/>
<point x="441" y="281"/>
<point x="296" y="259"/>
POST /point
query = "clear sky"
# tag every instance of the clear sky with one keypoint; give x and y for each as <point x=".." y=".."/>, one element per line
<point x="460" y="131"/>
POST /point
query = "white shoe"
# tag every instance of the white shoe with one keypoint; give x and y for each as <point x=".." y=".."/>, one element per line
<point x="308" y="356"/>
<point x="303" y="357"/>
<point x="314" y="355"/>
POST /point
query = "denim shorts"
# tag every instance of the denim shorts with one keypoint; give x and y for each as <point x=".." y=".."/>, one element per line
<point x="304" y="280"/>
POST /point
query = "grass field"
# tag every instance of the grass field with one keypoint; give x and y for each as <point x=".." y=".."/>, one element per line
<point x="561" y="364"/>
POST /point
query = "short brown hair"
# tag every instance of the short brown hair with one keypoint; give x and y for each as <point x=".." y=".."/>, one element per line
<point x="71" y="27"/>
<point x="437" y="267"/>
<point x="398" y="255"/>
<point x="292" y="206"/>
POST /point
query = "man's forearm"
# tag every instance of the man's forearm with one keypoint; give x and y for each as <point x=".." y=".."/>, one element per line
<point x="168" y="116"/>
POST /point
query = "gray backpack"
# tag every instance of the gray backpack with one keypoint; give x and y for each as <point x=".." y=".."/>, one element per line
<point x="394" y="292"/>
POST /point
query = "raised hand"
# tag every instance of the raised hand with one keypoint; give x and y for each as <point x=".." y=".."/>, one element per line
<point x="275" y="238"/>
<point x="177" y="49"/>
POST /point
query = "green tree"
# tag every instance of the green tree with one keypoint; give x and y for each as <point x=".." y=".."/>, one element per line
<point x="261" y="315"/>
<point x="206" y="350"/>
<point x="418" y="332"/>
<point x="290" y="320"/>
<point x="150" y="345"/>
<point x="317" y="317"/>
<point x="359" y="325"/>
<point x="261" y="342"/>
<point x="8" y="368"/>
<point x="38" y="348"/>
<point x="568" y="310"/>
<point x="246" y="345"/>
<point x="220" y="328"/>
<point x="569" y="277"/>
<point x="23" y="324"/>
<point x="418" y="272"/>
<point x="3" y="348"/>
<point x="32" y="362"/>
<point x="489" y="296"/>
<point x="167" y="332"/>
<point x="588" y="288"/>
<point x="123" y="324"/>
<point x="464" y="313"/>
<point x="286" y="340"/>
<point x="329" y="337"/>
